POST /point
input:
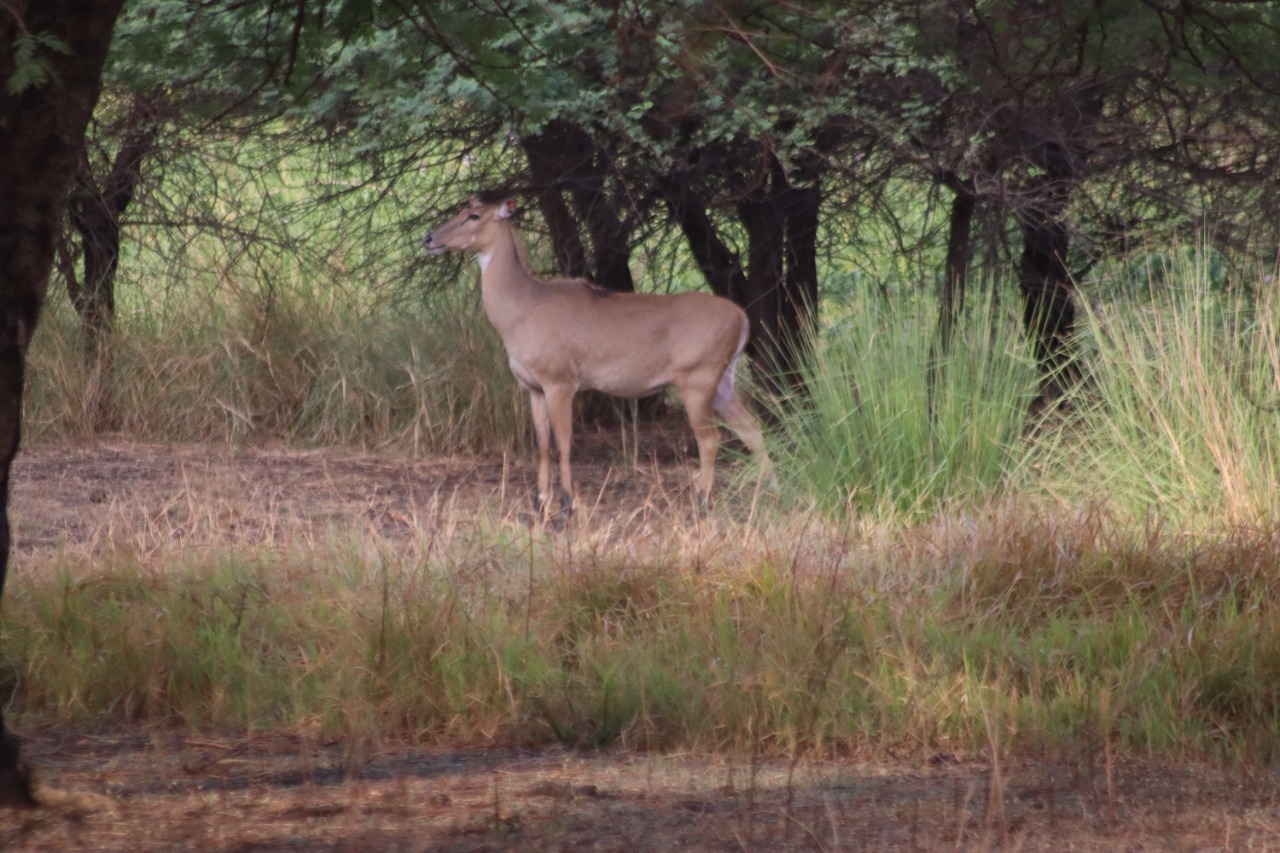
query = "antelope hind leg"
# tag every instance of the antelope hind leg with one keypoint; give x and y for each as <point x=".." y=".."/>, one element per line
<point x="698" y="406"/>
<point x="738" y="418"/>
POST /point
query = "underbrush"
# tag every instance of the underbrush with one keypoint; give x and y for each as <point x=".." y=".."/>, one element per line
<point x="1179" y="415"/>
<point x="304" y="371"/>
<point x="1007" y="631"/>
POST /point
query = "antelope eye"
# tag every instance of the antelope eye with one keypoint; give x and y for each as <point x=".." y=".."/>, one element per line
<point x="473" y="216"/>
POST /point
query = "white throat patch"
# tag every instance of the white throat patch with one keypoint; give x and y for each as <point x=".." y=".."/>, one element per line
<point x="484" y="261"/>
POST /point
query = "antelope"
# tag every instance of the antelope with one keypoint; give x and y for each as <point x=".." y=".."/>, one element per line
<point x="567" y="334"/>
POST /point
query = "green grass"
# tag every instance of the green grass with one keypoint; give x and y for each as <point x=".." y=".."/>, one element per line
<point x="1036" y="633"/>
<point x="1179" y="417"/>
<point x="889" y="423"/>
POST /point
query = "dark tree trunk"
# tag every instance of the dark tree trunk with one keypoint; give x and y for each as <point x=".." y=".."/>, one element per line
<point x="1049" y="313"/>
<point x="959" y="255"/>
<point x="610" y="240"/>
<point x="763" y="295"/>
<point x="954" y="282"/>
<point x="719" y="265"/>
<point x="778" y="288"/>
<point x="1058" y="143"/>
<point x="41" y="136"/>
<point x="564" y="158"/>
<point x="95" y="209"/>
<point x="96" y="206"/>
<point x="800" y="301"/>
<point x="780" y="297"/>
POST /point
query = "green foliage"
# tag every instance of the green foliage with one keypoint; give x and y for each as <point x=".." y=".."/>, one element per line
<point x="30" y="68"/>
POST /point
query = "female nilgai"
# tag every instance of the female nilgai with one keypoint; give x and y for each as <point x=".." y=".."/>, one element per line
<point x="564" y="335"/>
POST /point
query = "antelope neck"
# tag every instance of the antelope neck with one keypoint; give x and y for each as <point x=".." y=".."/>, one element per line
<point x="506" y="287"/>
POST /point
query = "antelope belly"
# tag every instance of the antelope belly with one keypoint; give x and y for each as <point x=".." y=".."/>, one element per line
<point x="618" y="384"/>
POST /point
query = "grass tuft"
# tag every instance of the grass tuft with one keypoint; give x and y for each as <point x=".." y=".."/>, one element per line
<point x="890" y="423"/>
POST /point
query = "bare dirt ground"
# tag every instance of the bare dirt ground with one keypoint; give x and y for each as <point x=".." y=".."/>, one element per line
<point x="145" y="789"/>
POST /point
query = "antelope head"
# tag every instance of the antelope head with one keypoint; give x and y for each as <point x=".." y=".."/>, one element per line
<point x="469" y="230"/>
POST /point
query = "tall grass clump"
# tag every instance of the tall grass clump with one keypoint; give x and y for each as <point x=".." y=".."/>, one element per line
<point x="1180" y="418"/>
<point x="300" y="367"/>
<point x="889" y="420"/>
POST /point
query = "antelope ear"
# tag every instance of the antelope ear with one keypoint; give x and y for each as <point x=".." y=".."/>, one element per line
<point x="505" y="209"/>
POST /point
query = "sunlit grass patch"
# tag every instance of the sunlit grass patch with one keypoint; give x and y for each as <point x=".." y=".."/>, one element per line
<point x="431" y="380"/>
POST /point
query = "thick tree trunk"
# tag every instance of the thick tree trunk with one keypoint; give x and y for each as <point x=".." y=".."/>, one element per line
<point x="954" y="282"/>
<point x="719" y="265"/>
<point x="96" y="206"/>
<point x="564" y="158"/>
<point x="1058" y="143"/>
<point x="800" y="302"/>
<point x="781" y="222"/>
<point x="41" y="136"/>
<point x="778" y="288"/>
<point x="1049" y="313"/>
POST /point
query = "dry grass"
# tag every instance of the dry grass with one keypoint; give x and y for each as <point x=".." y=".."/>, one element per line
<point x="423" y="656"/>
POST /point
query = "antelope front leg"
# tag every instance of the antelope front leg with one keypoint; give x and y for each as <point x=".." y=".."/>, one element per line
<point x="542" y="428"/>
<point x="560" y="413"/>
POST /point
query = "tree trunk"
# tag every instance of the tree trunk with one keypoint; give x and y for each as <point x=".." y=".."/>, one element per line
<point x="1058" y="142"/>
<point x="719" y="265"/>
<point x="96" y="205"/>
<point x="95" y="208"/>
<point x="800" y="302"/>
<point x="563" y="157"/>
<point x="1049" y="313"/>
<point x="41" y="136"/>
<point x="778" y="288"/>
<point x="781" y="293"/>
<point x="954" y="283"/>
<point x="959" y="255"/>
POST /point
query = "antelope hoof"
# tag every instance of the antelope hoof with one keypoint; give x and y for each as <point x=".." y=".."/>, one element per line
<point x="559" y="519"/>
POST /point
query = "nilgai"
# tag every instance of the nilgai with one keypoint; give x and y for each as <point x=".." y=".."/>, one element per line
<point x="564" y="335"/>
